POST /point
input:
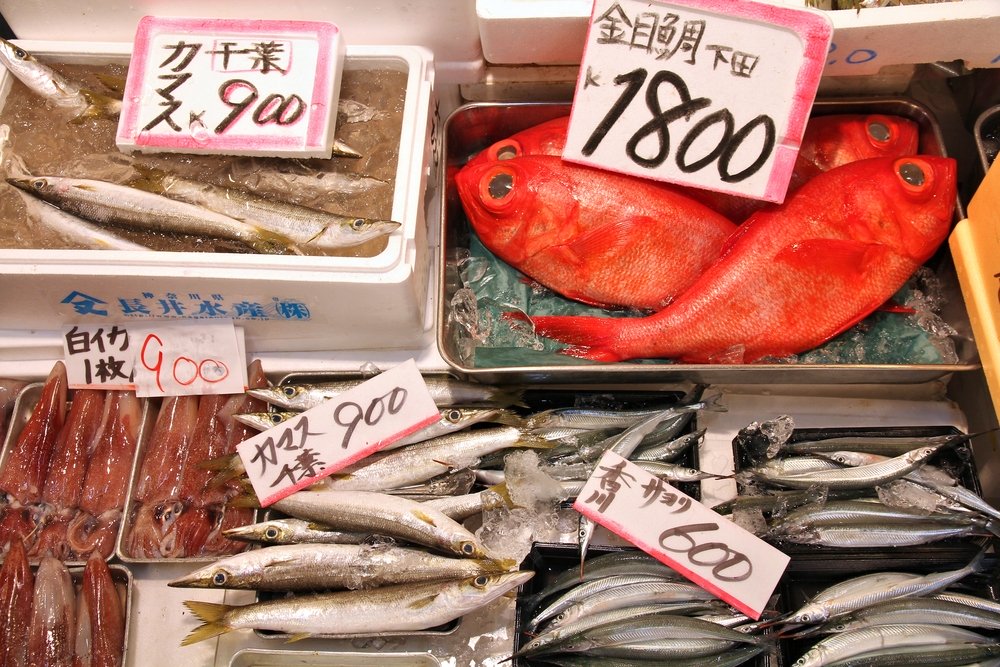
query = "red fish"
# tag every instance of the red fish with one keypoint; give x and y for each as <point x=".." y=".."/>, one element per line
<point x="68" y="467"/>
<point x="23" y="473"/>
<point x="591" y="235"/>
<point x="828" y="142"/>
<point x="793" y="277"/>
<point x="107" y="617"/>
<point x="16" y="592"/>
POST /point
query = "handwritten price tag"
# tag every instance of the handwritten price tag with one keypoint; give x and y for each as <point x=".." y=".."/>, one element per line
<point x="244" y="87"/>
<point x="189" y="358"/>
<point x="98" y="356"/>
<point x="338" y="432"/>
<point x="674" y="528"/>
<point x="707" y="93"/>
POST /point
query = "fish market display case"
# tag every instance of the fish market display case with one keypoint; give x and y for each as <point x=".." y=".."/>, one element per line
<point x="300" y="300"/>
<point x="473" y="127"/>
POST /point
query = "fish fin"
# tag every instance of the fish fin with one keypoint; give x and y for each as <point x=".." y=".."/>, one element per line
<point x="423" y="602"/>
<point x="892" y="306"/>
<point x="596" y="332"/>
<point x="605" y="241"/>
<point x="211" y="615"/>
<point x="507" y="418"/>
<point x="298" y="637"/>
<point x="149" y="179"/>
<point x="115" y="84"/>
<point x="98" y="106"/>
<point x="534" y="442"/>
<point x="268" y="242"/>
<point x="504" y="493"/>
<point x="246" y="499"/>
<point x="843" y="258"/>
<point x="423" y="516"/>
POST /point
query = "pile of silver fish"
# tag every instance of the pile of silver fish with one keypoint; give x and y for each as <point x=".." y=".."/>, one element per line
<point x="897" y="618"/>
<point x="175" y="511"/>
<point x="88" y="211"/>
<point x="50" y="617"/>
<point x="629" y="608"/>
<point x="859" y="491"/>
<point x="65" y="477"/>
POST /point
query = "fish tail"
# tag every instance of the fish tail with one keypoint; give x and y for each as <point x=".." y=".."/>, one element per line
<point x="268" y="242"/>
<point x="98" y="106"/>
<point x="534" y="442"/>
<point x="508" y="418"/>
<point x="212" y="617"/>
<point x="508" y="397"/>
<point x="246" y="499"/>
<point x="593" y="338"/>
<point x="149" y="179"/>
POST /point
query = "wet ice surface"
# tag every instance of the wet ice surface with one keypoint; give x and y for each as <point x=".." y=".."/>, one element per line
<point x="51" y="142"/>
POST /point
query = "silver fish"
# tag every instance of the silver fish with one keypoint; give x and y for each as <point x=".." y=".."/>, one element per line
<point x="47" y="83"/>
<point x="382" y="514"/>
<point x="876" y="534"/>
<point x="297" y="567"/>
<point x="861" y="477"/>
<point x="913" y="610"/>
<point x="884" y="445"/>
<point x="939" y="655"/>
<point x="308" y="228"/>
<point x="448" y="484"/>
<point x="653" y="628"/>
<point x="293" y="531"/>
<point x="265" y="420"/>
<point x="74" y="230"/>
<point x="106" y="202"/>
<point x="417" y="463"/>
<point x="671" y="449"/>
<point x="584" y="590"/>
<point x="462" y="507"/>
<point x="445" y="391"/>
<point x="848" y="644"/>
<point x="454" y="419"/>
<point x="399" y="608"/>
<point x="861" y="510"/>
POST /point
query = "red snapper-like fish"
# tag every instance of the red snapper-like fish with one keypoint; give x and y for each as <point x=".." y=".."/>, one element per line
<point x="591" y="235"/>
<point x="792" y="277"/>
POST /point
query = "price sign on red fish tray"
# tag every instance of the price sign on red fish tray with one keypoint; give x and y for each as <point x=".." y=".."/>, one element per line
<point x="707" y="93"/>
<point x="674" y="528"/>
<point x="244" y="87"/>
<point x="338" y="432"/>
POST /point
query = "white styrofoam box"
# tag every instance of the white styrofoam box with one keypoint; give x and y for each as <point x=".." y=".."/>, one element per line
<point x="312" y="303"/>
<point x="553" y="32"/>
<point x="447" y="28"/>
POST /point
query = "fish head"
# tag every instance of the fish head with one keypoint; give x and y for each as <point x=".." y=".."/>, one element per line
<point x="269" y="532"/>
<point x="215" y="575"/>
<point x="809" y="614"/>
<point x="36" y="185"/>
<point x="359" y="230"/>
<point x="13" y="56"/>
<point x="263" y="420"/>
<point x="567" y="615"/>
<point x="474" y="592"/>
<point x="832" y="141"/>
<point x="518" y="207"/>
<point x="287" y="396"/>
<point x="548" y="138"/>
<point x="922" y="453"/>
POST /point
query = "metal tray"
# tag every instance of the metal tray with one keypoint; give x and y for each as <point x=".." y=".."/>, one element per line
<point x="251" y="657"/>
<point x="26" y="401"/>
<point x="472" y="127"/>
<point x="987" y="133"/>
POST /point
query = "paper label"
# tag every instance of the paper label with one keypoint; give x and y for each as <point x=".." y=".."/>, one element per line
<point x="188" y="358"/>
<point x="99" y="356"/>
<point x="674" y="528"/>
<point x="705" y="93"/>
<point x="245" y="87"/>
<point x="338" y="432"/>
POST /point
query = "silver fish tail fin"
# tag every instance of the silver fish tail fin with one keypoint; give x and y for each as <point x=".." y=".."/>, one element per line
<point x="268" y="242"/>
<point x="211" y="615"/>
<point x="246" y="498"/>
<point x="98" y="106"/>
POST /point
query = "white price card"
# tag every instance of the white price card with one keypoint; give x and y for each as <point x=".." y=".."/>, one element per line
<point x="190" y="357"/>
<point x="707" y="93"/>
<point x="338" y="432"/>
<point x="233" y="86"/>
<point x="99" y="356"/>
<point x="674" y="528"/>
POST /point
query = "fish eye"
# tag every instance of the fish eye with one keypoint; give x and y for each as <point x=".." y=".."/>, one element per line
<point x="271" y="533"/>
<point x="879" y="131"/>
<point x="358" y="224"/>
<point x="20" y="53"/>
<point x="507" y="151"/>
<point x="220" y="577"/>
<point x="276" y="419"/>
<point x="481" y="581"/>
<point x="453" y="415"/>
<point x="912" y="174"/>
<point x="38" y="183"/>
<point x="467" y="548"/>
<point x="288" y="391"/>
<point x="500" y="185"/>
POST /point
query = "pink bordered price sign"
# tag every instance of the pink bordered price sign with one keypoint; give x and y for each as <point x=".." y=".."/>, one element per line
<point x="710" y="550"/>
<point x="338" y="432"/>
<point x="705" y="93"/>
<point x="238" y="87"/>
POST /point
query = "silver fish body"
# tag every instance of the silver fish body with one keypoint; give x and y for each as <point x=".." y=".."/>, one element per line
<point x="578" y="593"/>
<point x="848" y="644"/>
<point x="105" y="202"/>
<point x="884" y="445"/>
<point x="297" y="567"/>
<point x="398" y="608"/>
<point x="861" y="477"/>
<point x="75" y="230"/>
<point x="669" y="450"/>
<point x="640" y="592"/>
<point x="293" y="531"/>
<point x="383" y="514"/>
<point x="914" y="610"/>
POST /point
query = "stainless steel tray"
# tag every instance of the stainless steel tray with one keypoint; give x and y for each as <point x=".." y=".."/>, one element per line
<point x="475" y="126"/>
<point x="26" y="401"/>
<point x="988" y="123"/>
<point x="264" y="658"/>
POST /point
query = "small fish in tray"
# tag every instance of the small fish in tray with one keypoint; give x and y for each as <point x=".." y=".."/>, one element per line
<point x="857" y="489"/>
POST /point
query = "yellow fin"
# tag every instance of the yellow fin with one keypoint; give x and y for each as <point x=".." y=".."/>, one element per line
<point x="211" y="614"/>
<point x="423" y="602"/>
<point x="424" y="517"/>
<point x="298" y="637"/>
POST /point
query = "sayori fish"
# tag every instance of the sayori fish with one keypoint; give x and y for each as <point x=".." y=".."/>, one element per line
<point x="399" y="608"/>
<point x="594" y="236"/>
<point x="295" y="567"/>
<point x="310" y="229"/>
<point x="55" y="88"/>
<point x="111" y="203"/>
<point x="793" y="277"/>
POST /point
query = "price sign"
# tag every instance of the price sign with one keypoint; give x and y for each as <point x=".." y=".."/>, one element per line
<point x="192" y="357"/>
<point x="706" y="93"/>
<point x="338" y="432"/>
<point x="243" y="87"/>
<point x="674" y="528"/>
<point x="99" y="356"/>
